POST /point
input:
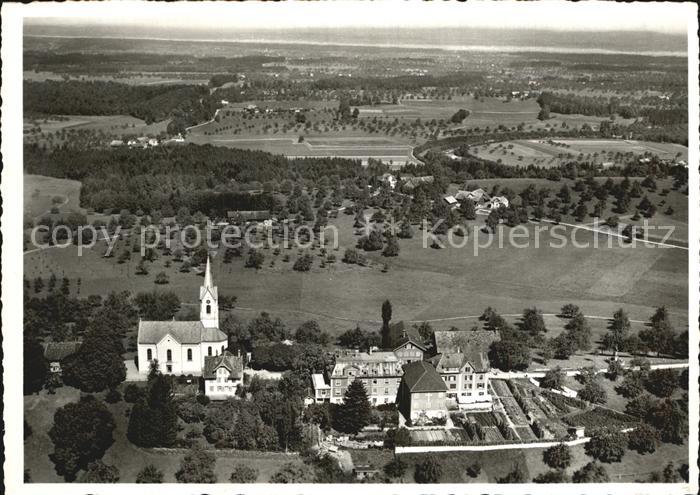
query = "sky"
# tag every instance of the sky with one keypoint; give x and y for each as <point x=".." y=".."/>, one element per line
<point x="666" y="17"/>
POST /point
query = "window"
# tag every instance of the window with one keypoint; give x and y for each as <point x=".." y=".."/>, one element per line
<point x="189" y="354"/>
<point x="170" y="355"/>
<point x="169" y="368"/>
<point x="208" y="307"/>
<point x="386" y="391"/>
<point x="481" y="393"/>
<point x="453" y="386"/>
<point x="222" y="349"/>
<point x="209" y="351"/>
<point x="149" y="354"/>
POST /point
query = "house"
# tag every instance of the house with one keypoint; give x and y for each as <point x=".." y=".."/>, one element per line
<point x="57" y="352"/>
<point x="422" y="393"/>
<point x="478" y="196"/>
<point x="181" y="347"/>
<point x="389" y="179"/>
<point x="410" y="182"/>
<point x="461" y="359"/>
<point x="380" y="373"/>
<point x="497" y="202"/>
<point x="406" y="348"/>
<point x="322" y="391"/>
<point x="222" y="375"/>
<point x="152" y="142"/>
<point x="244" y="216"/>
<point x="451" y="201"/>
<point x="116" y="142"/>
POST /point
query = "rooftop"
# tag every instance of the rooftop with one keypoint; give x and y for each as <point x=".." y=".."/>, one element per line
<point x="421" y="376"/>
<point x="234" y="364"/>
<point x="184" y="332"/>
<point x="58" y="351"/>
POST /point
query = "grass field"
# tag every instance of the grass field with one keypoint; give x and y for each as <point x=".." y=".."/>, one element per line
<point x="546" y="153"/>
<point x="42" y="193"/>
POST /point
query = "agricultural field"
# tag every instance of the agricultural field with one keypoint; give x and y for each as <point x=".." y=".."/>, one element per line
<point x="551" y="153"/>
<point x="42" y="194"/>
<point x="53" y="130"/>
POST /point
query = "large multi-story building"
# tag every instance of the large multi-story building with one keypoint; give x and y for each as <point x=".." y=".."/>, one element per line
<point x="461" y="359"/>
<point x="380" y="372"/>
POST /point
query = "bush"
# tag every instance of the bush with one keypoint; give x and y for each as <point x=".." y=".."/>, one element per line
<point x="150" y="474"/>
<point x="244" y="474"/>
<point x="607" y="445"/>
<point x="428" y="470"/>
<point x="643" y="439"/>
<point x="190" y="410"/>
<point x="557" y="457"/>
<point x="133" y="393"/>
<point x="203" y="399"/>
<point x="593" y="392"/>
<point x="592" y="472"/>
<point x="395" y="468"/>
<point x="474" y="469"/>
<point x="113" y="396"/>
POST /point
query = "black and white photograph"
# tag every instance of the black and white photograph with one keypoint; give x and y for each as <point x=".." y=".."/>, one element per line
<point x="344" y="242"/>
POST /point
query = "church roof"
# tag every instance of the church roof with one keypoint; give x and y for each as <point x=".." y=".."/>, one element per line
<point x="208" y="285"/>
<point x="184" y="332"/>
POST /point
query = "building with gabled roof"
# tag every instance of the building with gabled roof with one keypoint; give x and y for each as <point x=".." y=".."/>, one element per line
<point x="461" y="359"/>
<point x="222" y="375"/>
<point x="380" y="373"/>
<point x="56" y="352"/>
<point x="181" y="347"/>
<point x="422" y="393"/>
<point x="322" y="391"/>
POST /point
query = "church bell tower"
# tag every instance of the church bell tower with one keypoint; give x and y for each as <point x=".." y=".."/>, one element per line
<point x="209" y="300"/>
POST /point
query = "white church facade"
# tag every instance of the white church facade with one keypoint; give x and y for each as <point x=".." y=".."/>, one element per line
<point x="182" y="347"/>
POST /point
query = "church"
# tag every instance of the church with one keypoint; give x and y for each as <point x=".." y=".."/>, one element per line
<point x="182" y="347"/>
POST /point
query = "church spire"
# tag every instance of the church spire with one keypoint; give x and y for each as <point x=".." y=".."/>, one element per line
<point x="207" y="275"/>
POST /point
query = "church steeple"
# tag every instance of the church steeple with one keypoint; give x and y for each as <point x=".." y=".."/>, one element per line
<point x="209" y="300"/>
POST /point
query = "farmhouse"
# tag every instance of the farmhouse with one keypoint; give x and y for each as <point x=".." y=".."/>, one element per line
<point x="181" y="347"/>
<point x="461" y="359"/>
<point x="57" y="352"/>
<point x="497" y="202"/>
<point x="478" y="196"/>
<point x="222" y="375"/>
<point x="421" y="393"/>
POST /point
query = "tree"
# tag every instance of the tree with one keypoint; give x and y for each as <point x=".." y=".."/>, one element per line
<point x="569" y="310"/>
<point x="98" y="364"/>
<point x="99" y="472"/>
<point x="255" y="259"/>
<point x="641" y="405"/>
<point x="467" y="209"/>
<point x="392" y="247"/>
<point x="310" y="332"/>
<point x="425" y="331"/>
<point x="244" y="474"/>
<point x="474" y="469"/>
<point x="593" y="472"/>
<point x="197" y="467"/>
<point x="81" y="433"/>
<point x="153" y="420"/>
<point x="162" y="278"/>
<point x="557" y="457"/>
<point x="579" y="331"/>
<point x="632" y="385"/>
<point x="615" y="370"/>
<point x="516" y="475"/>
<point x="354" y="413"/>
<point x="553" y="379"/>
<point x="509" y="355"/>
<point x="395" y="468"/>
<point x="157" y="305"/>
<point x="643" y="439"/>
<point x="150" y="474"/>
<point x="618" y="329"/>
<point x="607" y="445"/>
<point x="593" y="392"/>
<point x="36" y="369"/>
<point x="428" y="470"/>
<point x="662" y="382"/>
<point x="555" y="476"/>
<point x="291" y="472"/>
<point x="303" y="263"/>
<point x="533" y="322"/>
<point x="671" y="420"/>
<point x="386" y="329"/>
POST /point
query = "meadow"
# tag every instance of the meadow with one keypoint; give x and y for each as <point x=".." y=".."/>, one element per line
<point x="552" y="153"/>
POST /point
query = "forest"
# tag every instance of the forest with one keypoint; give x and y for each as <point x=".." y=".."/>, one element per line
<point x="190" y="104"/>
